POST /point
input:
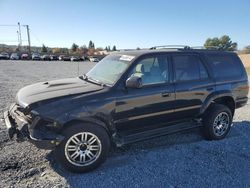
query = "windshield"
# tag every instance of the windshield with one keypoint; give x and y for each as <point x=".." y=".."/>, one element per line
<point x="109" y="69"/>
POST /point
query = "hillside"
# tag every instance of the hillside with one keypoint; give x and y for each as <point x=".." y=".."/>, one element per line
<point x="245" y="58"/>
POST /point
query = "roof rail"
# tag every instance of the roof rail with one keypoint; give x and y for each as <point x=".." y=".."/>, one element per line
<point x="207" y="47"/>
<point x="171" y="47"/>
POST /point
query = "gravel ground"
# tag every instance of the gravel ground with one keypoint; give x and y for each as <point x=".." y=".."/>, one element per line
<point x="179" y="160"/>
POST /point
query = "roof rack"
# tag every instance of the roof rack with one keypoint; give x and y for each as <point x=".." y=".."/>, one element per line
<point x="185" y="47"/>
<point x="170" y="47"/>
<point x="207" y="47"/>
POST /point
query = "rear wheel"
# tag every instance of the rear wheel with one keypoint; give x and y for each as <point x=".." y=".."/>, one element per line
<point x="217" y="122"/>
<point x="84" y="148"/>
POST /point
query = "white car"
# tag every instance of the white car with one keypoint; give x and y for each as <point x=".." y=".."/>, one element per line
<point x="14" y="56"/>
<point x="93" y="59"/>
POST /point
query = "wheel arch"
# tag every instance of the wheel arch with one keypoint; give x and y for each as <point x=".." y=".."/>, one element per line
<point x="226" y="99"/>
<point x="87" y="120"/>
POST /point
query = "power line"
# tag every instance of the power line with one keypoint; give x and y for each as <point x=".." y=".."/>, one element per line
<point x="35" y="36"/>
<point x="6" y="25"/>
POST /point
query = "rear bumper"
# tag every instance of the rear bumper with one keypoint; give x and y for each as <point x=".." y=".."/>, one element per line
<point x="19" y="127"/>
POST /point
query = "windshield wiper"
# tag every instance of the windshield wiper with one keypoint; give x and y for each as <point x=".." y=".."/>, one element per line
<point x="87" y="78"/>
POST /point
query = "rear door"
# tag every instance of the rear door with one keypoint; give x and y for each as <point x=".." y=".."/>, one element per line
<point x="192" y="84"/>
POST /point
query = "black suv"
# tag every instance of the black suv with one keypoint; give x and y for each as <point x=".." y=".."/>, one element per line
<point x="127" y="97"/>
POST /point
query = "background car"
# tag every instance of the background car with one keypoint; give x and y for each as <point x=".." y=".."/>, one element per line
<point x="75" y="58"/>
<point x="66" y="58"/>
<point x="93" y="59"/>
<point x="54" y="57"/>
<point x="45" y="57"/>
<point x="83" y="58"/>
<point x="14" y="56"/>
<point x="25" y="56"/>
<point x="4" y="55"/>
<point x="60" y="58"/>
<point x="36" y="57"/>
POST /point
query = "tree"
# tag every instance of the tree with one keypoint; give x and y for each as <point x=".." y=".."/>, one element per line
<point x="91" y="44"/>
<point x="84" y="50"/>
<point x="224" y="43"/>
<point x="138" y="48"/>
<point x="114" y="48"/>
<point x="44" y="49"/>
<point x="74" y="47"/>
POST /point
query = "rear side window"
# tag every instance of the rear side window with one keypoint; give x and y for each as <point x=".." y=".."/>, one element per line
<point x="188" y="68"/>
<point x="225" y="66"/>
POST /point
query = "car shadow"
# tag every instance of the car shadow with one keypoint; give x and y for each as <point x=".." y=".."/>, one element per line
<point x="119" y="157"/>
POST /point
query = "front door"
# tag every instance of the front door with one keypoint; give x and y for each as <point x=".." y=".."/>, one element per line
<point x="153" y="103"/>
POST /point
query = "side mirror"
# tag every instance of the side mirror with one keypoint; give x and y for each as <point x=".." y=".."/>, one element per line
<point x="134" y="82"/>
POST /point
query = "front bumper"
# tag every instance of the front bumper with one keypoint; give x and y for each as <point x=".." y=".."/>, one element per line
<point x="18" y="125"/>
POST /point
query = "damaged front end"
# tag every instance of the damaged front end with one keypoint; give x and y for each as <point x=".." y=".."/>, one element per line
<point x="30" y="126"/>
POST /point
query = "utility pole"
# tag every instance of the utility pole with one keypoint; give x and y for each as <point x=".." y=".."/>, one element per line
<point x="18" y="39"/>
<point x="20" y="34"/>
<point x="28" y="34"/>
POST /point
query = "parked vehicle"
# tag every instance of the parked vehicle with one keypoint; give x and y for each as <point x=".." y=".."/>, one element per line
<point x="83" y="58"/>
<point x="36" y="56"/>
<point x="54" y="57"/>
<point x="4" y="55"/>
<point x="66" y="58"/>
<point x="14" y="56"/>
<point x="60" y="58"/>
<point x="75" y="58"/>
<point x="25" y="56"/>
<point x="45" y="57"/>
<point x="93" y="59"/>
<point x="127" y="97"/>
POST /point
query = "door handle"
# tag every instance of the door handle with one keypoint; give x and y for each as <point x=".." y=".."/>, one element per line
<point x="166" y="94"/>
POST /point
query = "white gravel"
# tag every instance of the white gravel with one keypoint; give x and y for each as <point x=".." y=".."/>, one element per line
<point x="179" y="160"/>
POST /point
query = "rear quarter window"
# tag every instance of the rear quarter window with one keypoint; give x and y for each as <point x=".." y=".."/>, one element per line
<point x="225" y="65"/>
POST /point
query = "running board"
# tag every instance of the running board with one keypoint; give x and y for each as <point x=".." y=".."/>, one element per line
<point x="123" y="139"/>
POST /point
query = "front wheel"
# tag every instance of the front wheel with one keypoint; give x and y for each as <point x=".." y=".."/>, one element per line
<point x="84" y="147"/>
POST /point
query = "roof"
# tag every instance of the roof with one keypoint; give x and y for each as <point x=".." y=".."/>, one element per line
<point x="137" y="53"/>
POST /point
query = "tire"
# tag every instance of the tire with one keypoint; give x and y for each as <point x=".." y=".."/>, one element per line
<point x="217" y="122"/>
<point x="84" y="150"/>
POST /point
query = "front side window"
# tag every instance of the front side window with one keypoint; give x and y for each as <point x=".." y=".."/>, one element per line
<point x="152" y="70"/>
<point x="188" y="68"/>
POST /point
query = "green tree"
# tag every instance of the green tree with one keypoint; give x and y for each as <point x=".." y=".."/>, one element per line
<point x="114" y="48"/>
<point x="91" y="44"/>
<point x="74" y="47"/>
<point x="224" y="43"/>
<point x="44" y="49"/>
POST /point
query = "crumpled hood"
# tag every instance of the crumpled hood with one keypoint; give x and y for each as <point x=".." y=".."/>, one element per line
<point x="53" y="89"/>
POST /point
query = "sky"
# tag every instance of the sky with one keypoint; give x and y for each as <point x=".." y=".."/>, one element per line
<point x="125" y="23"/>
